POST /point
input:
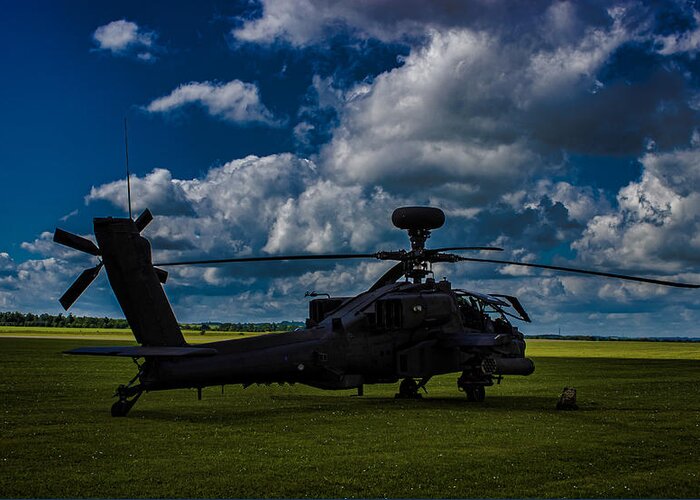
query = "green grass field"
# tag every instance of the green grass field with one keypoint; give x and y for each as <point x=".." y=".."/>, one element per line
<point x="637" y="433"/>
<point x="111" y="334"/>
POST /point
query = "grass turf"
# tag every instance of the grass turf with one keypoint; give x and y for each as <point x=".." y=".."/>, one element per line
<point x="637" y="433"/>
<point x="111" y="334"/>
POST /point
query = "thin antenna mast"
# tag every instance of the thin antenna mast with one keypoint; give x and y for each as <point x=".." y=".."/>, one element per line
<point x="128" y="182"/>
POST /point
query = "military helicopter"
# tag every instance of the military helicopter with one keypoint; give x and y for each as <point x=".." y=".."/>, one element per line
<point x="407" y="329"/>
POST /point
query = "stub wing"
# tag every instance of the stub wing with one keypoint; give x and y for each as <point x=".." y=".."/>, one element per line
<point x="473" y="340"/>
<point x="143" y="351"/>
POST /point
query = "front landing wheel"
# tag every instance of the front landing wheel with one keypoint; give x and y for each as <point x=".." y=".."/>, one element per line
<point x="475" y="392"/>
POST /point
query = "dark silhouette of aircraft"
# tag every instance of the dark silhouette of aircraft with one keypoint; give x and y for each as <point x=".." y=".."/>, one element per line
<point x="408" y="330"/>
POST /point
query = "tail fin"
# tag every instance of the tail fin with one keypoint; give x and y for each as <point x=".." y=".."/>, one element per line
<point x="136" y="283"/>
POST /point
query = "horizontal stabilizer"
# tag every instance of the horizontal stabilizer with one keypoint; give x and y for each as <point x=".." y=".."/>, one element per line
<point x="473" y="340"/>
<point x="141" y="351"/>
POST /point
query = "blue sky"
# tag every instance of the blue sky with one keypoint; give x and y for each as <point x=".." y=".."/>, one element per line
<point x="565" y="132"/>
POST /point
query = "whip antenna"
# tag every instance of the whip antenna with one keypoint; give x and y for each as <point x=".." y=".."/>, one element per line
<point x="128" y="182"/>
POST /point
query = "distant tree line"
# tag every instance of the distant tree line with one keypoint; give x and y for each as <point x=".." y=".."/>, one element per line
<point x="59" y="321"/>
<point x="284" y="326"/>
<point x="612" y="337"/>
<point x="71" y="321"/>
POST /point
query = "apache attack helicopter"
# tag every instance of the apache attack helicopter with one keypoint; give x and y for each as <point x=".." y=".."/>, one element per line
<point x="408" y="330"/>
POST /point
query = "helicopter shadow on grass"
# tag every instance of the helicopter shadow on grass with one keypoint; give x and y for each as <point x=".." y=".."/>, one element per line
<point x="322" y="404"/>
<point x="457" y="402"/>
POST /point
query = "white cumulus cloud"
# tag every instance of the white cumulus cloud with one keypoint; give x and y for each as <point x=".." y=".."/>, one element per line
<point x="234" y="101"/>
<point x="686" y="41"/>
<point x="157" y="191"/>
<point x="126" y="38"/>
<point x="306" y="22"/>
<point x="269" y="204"/>
<point x="453" y="117"/>
<point x="657" y="222"/>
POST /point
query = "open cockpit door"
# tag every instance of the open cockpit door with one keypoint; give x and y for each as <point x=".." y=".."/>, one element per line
<point x="516" y="305"/>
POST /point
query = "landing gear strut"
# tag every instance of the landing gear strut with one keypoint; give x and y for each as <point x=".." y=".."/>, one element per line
<point x="128" y="395"/>
<point x="122" y="407"/>
<point x="408" y="389"/>
<point x="474" y="392"/>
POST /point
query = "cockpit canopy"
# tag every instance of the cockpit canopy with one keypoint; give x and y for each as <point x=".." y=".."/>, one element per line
<point x="488" y="313"/>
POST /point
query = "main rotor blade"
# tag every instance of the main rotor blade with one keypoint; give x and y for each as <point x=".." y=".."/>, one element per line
<point x="449" y="249"/>
<point x="79" y="286"/>
<point x="76" y="242"/>
<point x="272" y="258"/>
<point x="582" y="271"/>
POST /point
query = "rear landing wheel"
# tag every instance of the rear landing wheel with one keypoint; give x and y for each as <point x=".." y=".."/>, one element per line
<point x="121" y="408"/>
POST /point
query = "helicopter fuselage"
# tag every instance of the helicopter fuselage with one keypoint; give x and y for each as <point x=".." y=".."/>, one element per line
<point x="401" y="330"/>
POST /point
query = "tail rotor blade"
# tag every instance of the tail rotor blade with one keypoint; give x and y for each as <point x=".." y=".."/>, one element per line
<point x="143" y="220"/>
<point x="79" y="286"/>
<point x="162" y="275"/>
<point x="76" y="242"/>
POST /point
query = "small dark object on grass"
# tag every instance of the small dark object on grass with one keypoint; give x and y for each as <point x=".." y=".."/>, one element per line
<point x="408" y="389"/>
<point x="567" y="400"/>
